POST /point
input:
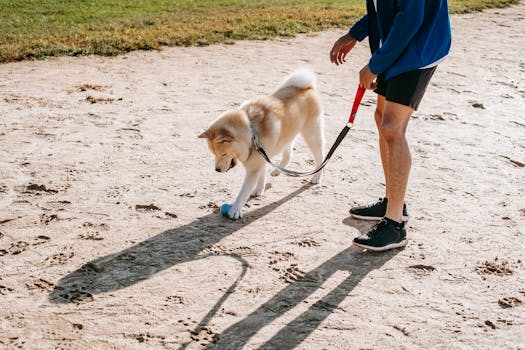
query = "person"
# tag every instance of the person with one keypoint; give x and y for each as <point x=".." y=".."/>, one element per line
<point x="408" y="39"/>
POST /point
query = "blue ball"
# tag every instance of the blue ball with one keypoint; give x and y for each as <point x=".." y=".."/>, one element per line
<point x="225" y="208"/>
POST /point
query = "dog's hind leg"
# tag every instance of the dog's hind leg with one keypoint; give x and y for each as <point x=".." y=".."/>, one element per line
<point x="261" y="184"/>
<point x="313" y="135"/>
<point x="287" y="155"/>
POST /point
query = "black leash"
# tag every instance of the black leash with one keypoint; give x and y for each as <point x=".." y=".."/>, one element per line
<point x="357" y="101"/>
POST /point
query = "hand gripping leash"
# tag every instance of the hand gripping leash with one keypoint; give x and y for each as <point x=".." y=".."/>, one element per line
<point x="357" y="101"/>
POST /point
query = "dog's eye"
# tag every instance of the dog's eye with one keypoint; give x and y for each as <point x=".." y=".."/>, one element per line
<point x="224" y="155"/>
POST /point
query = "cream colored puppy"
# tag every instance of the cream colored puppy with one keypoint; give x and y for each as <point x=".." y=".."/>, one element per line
<point x="276" y="119"/>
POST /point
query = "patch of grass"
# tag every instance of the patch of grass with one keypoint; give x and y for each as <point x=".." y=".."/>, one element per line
<point x="40" y="28"/>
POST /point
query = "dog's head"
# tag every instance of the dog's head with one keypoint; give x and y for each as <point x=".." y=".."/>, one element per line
<point x="228" y="140"/>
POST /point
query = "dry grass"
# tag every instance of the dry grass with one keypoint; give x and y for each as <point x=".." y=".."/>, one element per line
<point x="38" y="28"/>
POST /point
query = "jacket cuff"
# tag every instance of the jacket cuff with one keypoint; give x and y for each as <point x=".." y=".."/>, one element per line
<point x="375" y="67"/>
<point x="357" y="33"/>
<point x="360" y="29"/>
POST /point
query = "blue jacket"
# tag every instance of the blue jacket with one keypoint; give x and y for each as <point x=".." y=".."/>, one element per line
<point x="412" y="33"/>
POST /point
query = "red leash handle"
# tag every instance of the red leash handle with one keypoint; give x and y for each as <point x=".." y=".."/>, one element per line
<point x="357" y="101"/>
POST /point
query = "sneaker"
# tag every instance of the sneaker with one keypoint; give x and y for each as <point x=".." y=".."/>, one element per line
<point x="385" y="235"/>
<point x="375" y="211"/>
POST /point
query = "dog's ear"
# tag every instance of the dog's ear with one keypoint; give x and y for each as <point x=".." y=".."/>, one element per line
<point x="224" y="136"/>
<point x="204" y="135"/>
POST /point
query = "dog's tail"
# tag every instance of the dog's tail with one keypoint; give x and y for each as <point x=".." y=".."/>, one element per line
<point x="302" y="79"/>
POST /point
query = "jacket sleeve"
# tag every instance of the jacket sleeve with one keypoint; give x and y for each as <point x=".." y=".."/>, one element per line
<point x="406" y="23"/>
<point x="360" y="29"/>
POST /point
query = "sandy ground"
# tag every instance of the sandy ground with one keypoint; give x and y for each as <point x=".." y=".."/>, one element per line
<point x="110" y="236"/>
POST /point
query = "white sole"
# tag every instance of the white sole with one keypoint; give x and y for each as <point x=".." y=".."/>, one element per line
<point x="375" y="218"/>
<point x="382" y="249"/>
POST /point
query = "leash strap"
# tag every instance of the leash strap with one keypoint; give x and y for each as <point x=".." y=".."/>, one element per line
<point x="357" y="101"/>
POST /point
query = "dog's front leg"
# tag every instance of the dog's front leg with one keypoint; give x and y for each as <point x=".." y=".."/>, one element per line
<point x="252" y="176"/>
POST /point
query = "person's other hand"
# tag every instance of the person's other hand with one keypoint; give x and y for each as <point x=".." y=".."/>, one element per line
<point x="341" y="48"/>
<point x="367" y="78"/>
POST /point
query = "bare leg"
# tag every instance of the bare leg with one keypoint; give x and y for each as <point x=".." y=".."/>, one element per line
<point x="380" y="107"/>
<point x="398" y="160"/>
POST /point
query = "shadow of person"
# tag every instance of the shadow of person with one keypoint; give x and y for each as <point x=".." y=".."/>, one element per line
<point x="353" y="260"/>
<point x="360" y="225"/>
<point x="139" y="262"/>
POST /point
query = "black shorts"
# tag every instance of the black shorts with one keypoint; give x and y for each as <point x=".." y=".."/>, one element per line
<point x="406" y="88"/>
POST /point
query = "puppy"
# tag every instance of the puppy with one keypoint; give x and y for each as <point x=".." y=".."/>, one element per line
<point x="276" y="119"/>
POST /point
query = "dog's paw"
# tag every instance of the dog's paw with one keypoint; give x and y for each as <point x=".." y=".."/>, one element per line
<point x="316" y="179"/>
<point x="258" y="192"/>
<point x="275" y="173"/>
<point x="235" y="212"/>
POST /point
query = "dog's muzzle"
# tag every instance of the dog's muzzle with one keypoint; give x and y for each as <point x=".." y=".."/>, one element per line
<point x="233" y="163"/>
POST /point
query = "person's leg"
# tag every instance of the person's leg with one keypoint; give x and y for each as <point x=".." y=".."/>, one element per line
<point x="397" y="154"/>
<point x="380" y="108"/>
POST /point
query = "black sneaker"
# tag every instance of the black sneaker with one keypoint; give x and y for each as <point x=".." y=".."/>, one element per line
<point x="375" y="211"/>
<point x="385" y="235"/>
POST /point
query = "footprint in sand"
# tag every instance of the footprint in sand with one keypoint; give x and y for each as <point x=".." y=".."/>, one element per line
<point x="476" y="104"/>
<point x="292" y="274"/>
<point x="277" y="257"/>
<point x="308" y="243"/>
<point x="93" y="231"/>
<point x="88" y="87"/>
<point x="116" y="191"/>
<point x="211" y="205"/>
<point x="421" y="270"/>
<point x="130" y="133"/>
<point x="4" y="290"/>
<point x="146" y="337"/>
<point x="56" y="205"/>
<point x="103" y="100"/>
<point x="60" y="258"/>
<point x="15" y="248"/>
<point x="46" y="219"/>
<point x="203" y="336"/>
<point x="175" y="299"/>
<point x="35" y="189"/>
<point x="40" y="284"/>
<point x="14" y="343"/>
<point x="144" y="208"/>
<point x="494" y="268"/>
<point x="507" y="302"/>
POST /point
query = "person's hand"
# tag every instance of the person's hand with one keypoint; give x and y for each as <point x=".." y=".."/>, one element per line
<point x="367" y="78"/>
<point x="341" y="48"/>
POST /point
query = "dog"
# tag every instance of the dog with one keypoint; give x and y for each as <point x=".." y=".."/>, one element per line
<point x="276" y="120"/>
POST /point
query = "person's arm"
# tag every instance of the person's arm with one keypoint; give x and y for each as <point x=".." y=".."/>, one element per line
<point x="360" y="29"/>
<point x="405" y="25"/>
<point x="344" y="44"/>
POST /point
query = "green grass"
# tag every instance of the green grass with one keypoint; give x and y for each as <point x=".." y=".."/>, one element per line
<point x="40" y="28"/>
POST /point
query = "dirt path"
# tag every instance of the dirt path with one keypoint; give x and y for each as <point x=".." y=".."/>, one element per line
<point x="110" y="239"/>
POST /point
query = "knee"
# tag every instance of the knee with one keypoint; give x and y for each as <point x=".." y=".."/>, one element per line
<point x="391" y="132"/>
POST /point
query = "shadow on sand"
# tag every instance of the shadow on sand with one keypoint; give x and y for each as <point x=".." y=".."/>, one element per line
<point x="188" y="242"/>
<point x="139" y="262"/>
<point x="353" y="260"/>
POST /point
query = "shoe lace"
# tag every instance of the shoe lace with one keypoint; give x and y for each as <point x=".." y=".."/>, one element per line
<point x="376" y="227"/>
